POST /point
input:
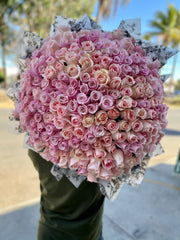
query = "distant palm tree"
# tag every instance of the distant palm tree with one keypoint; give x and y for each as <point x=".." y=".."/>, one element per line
<point x="167" y="27"/>
<point x="105" y="7"/>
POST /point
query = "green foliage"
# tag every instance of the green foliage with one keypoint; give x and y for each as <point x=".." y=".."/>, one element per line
<point x="37" y="16"/>
<point x="177" y="87"/>
<point x="1" y="75"/>
<point x="167" y="26"/>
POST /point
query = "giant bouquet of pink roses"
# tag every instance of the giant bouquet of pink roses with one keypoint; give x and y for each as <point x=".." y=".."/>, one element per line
<point x="92" y="101"/>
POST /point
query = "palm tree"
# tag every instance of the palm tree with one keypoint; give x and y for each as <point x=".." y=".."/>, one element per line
<point x="105" y="7"/>
<point x="167" y="29"/>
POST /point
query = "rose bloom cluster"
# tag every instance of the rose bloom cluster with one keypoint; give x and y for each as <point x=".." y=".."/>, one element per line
<point x="93" y="101"/>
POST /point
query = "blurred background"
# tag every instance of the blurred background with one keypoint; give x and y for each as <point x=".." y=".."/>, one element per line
<point x="19" y="186"/>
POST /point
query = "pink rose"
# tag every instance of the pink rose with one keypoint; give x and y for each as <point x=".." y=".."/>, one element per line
<point x="113" y="113"/>
<point x="90" y="138"/>
<point x="82" y="109"/>
<point x="87" y="46"/>
<point x="48" y="117"/>
<point x="99" y="153"/>
<point x="136" y="148"/>
<point x="124" y="125"/>
<point x="131" y="137"/>
<point x="93" y="166"/>
<point x="49" y="128"/>
<point x="106" y="140"/>
<point x="84" y="146"/>
<point x="149" y="92"/>
<point x="62" y="98"/>
<point x="151" y="113"/>
<point x="74" y="83"/>
<point x="105" y="174"/>
<point x="102" y="76"/>
<point x="89" y="154"/>
<point x="103" y="89"/>
<point x="37" y="117"/>
<point x="126" y="91"/>
<point x="73" y="163"/>
<point x="50" y="73"/>
<point x="82" y="98"/>
<point x="82" y="171"/>
<point x="115" y="83"/>
<point x="114" y="93"/>
<point x="67" y="132"/>
<point x="124" y="102"/>
<point x="95" y="96"/>
<point x="108" y="162"/>
<point x="126" y="43"/>
<point x="105" y="61"/>
<point x="63" y="162"/>
<point x="93" y="84"/>
<point x="128" y="80"/>
<point x="98" y="130"/>
<point x="72" y="105"/>
<point x="63" y="77"/>
<point x="144" y="69"/>
<point x="137" y="126"/>
<point x="71" y="57"/>
<point x="143" y="103"/>
<point x="88" y="120"/>
<point x="63" y="145"/>
<point x="53" y="105"/>
<point x="91" y="177"/>
<point x="128" y="115"/>
<point x="92" y="108"/>
<point x="73" y="70"/>
<point x="112" y="126"/>
<point x="60" y="53"/>
<point x="140" y="112"/>
<point x="71" y="92"/>
<point x="74" y="47"/>
<point x="147" y="126"/>
<point x="138" y="90"/>
<point x="119" y="158"/>
<point x="59" y="66"/>
<point x="119" y="136"/>
<point x="85" y="77"/>
<point x="50" y="61"/>
<point x="79" y="132"/>
<point x="86" y="61"/>
<point x="84" y="88"/>
<point x="96" y="55"/>
<point x="112" y="148"/>
<point x="107" y="102"/>
<point x="76" y="120"/>
<point x="114" y="70"/>
<point x="78" y="153"/>
<point x="141" y="138"/>
<point x="101" y="117"/>
<point x="44" y="84"/>
<point x="74" y="142"/>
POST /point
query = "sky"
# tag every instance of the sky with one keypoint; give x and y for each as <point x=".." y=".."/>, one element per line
<point x="143" y="9"/>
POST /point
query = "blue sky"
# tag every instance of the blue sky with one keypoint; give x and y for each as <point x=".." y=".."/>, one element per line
<point x="144" y="9"/>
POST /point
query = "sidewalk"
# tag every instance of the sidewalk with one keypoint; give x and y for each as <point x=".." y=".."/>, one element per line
<point x="147" y="212"/>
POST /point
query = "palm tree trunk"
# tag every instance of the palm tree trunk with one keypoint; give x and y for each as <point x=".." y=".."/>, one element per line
<point x="4" y="66"/>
